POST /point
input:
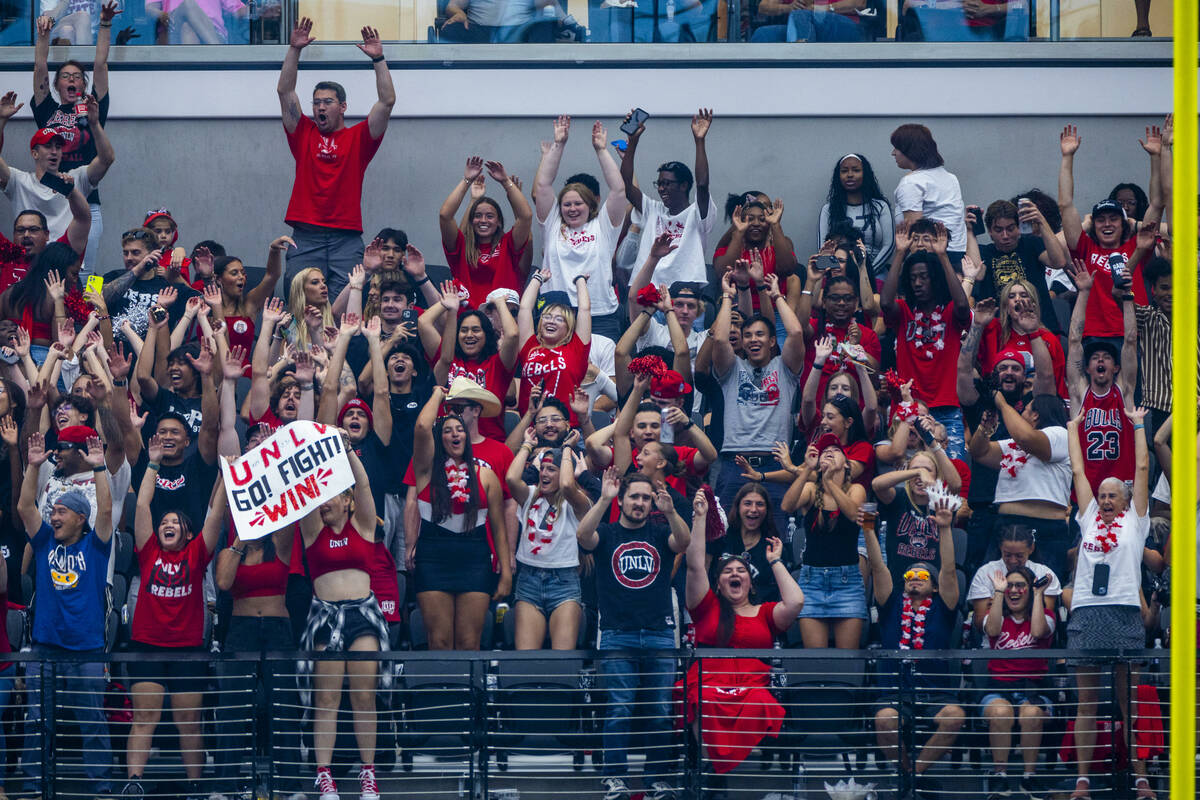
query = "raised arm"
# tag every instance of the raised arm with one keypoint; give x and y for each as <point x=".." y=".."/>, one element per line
<point x="659" y="249"/>
<point x="105" y="155"/>
<point x="217" y="512"/>
<point x="1141" y="454"/>
<point x="423" y="435"/>
<point x="514" y="479"/>
<point x="260" y="361"/>
<point x="1127" y="377"/>
<point x="1153" y="145"/>
<point x="103" y="40"/>
<point x="1043" y="367"/>
<point x="697" y="570"/>
<point x="1083" y="487"/>
<point x="962" y="306"/>
<point x="256" y="297"/>
<point x="446" y="222"/>
<point x="328" y="410"/>
<point x="700" y="125"/>
<point x="822" y="349"/>
<point x="228" y="443"/>
<point x="210" y="410"/>
<point x="377" y="117"/>
<point x="1076" y="376"/>
<point x="583" y="318"/>
<point x="1072" y="225"/>
<point x="1029" y="438"/>
<point x="544" y="195"/>
<point x="881" y="576"/>
<point x="722" y="351"/>
<point x="41" y="58"/>
<point x="615" y="203"/>
<point x="27" y="509"/>
<point x="985" y="311"/>
<point x="793" y="347"/>
<point x="529" y="298"/>
<point x="364" y="500"/>
<point x="891" y="284"/>
<point x="81" y="220"/>
<point x="289" y="103"/>
<point x="632" y="193"/>
<point x="522" y="213"/>
<point x="994" y="621"/>
<point x="943" y="516"/>
<point x="143" y="521"/>
<point x="381" y="400"/>
<point x="587" y="532"/>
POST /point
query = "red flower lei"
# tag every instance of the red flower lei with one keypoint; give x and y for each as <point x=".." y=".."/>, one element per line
<point x="456" y="479"/>
<point x="912" y="624"/>
<point x="537" y="536"/>
<point x="1106" y="535"/>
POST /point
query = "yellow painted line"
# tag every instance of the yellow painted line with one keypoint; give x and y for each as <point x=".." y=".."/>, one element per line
<point x="1183" y="488"/>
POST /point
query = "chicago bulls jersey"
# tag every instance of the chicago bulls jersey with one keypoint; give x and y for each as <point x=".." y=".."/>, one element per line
<point x="1106" y="438"/>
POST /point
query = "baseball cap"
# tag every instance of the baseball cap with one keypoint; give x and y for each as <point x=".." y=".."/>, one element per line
<point x="45" y="136"/>
<point x="76" y="501"/>
<point x="685" y="289"/>
<point x="1092" y="347"/>
<point x="1108" y="207"/>
<point x="76" y="436"/>
<point x="669" y="385"/>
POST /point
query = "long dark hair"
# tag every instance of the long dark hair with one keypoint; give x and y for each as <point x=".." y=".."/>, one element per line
<point x="850" y="410"/>
<point x="439" y="490"/>
<point x="491" y="344"/>
<point x="836" y="198"/>
<point x="185" y="524"/>
<point x="916" y="143"/>
<point x="30" y="291"/>
<point x="1141" y="202"/>
<point x="726" y="616"/>
<point x="735" y="519"/>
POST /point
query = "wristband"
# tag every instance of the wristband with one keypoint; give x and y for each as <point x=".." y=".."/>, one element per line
<point x="100" y="468"/>
<point x="105" y="25"/>
<point x="152" y="465"/>
<point x="423" y="280"/>
<point x="774" y="562"/>
<point x="689" y="425"/>
<point x="578" y="278"/>
<point x="377" y="59"/>
<point x="122" y="382"/>
<point x="807" y="292"/>
<point x="1139" y="427"/>
<point x="537" y="278"/>
<point x="241" y="551"/>
<point x="306" y="387"/>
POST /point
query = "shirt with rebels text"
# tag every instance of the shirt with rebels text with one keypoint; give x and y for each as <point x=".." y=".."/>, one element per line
<point x="559" y="369"/>
<point x="633" y="577"/>
<point x="170" y="603"/>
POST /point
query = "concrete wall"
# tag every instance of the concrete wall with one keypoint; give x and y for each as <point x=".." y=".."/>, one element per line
<point x="230" y="179"/>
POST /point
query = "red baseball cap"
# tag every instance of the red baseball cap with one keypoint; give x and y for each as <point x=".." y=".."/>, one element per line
<point x="45" y="136"/>
<point x="669" y="386"/>
<point x="827" y="440"/>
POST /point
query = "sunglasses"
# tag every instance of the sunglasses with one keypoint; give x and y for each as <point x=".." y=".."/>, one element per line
<point x="917" y="574"/>
<point x="1018" y="587"/>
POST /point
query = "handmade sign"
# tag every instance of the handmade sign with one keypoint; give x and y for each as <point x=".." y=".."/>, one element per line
<point x="285" y="478"/>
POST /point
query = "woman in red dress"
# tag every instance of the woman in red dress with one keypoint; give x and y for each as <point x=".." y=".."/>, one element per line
<point x="739" y="710"/>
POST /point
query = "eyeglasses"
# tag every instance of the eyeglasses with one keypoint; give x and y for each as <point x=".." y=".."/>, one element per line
<point x="1018" y="587"/>
<point x="917" y="574"/>
<point x="71" y="76"/>
<point x="555" y="418"/>
<point x="29" y="229"/>
<point x="663" y="183"/>
<point x="324" y="101"/>
<point x="840" y="298"/>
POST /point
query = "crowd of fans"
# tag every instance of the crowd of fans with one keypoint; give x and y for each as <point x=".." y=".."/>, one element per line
<point x="781" y="442"/>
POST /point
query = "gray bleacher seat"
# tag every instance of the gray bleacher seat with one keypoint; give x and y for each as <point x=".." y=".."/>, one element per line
<point x="17" y="623"/>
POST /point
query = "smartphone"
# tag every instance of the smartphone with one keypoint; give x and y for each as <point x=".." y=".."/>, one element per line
<point x="56" y="183"/>
<point x="1042" y="581"/>
<point x="95" y="283"/>
<point x="925" y="435"/>
<point x="827" y="263"/>
<point x="409" y="315"/>
<point x="977" y="226"/>
<point x="630" y="128"/>
<point x="1100" y="580"/>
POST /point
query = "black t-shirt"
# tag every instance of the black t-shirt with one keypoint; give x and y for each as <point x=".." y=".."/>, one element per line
<point x="167" y="402"/>
<point x="79" y="146"/>
<point x="13" y="540"/>
<point x="633" y="577"/>
<point x="1021" y="264"/>
<point x="982" y="491"/>
<point x="927" y="674"/>
<point x="911" y="536"/>
<point x="405" y="410"/>
<point x="760" y="571"/>
<point x="385" y="478"/>
<point x="182" y="487"/>
<point x="139" y="298"/>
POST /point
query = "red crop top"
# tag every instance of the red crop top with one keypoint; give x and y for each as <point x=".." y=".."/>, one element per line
<point x="265" y="579"/>
<point x="346" y="550"/>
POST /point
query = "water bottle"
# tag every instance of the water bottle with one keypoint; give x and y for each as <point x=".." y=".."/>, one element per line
<point x="670" y="10"/>
<point x="1025" y="228"/>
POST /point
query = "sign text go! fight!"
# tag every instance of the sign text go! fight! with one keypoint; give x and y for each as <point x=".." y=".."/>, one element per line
<point x="286" y="477"/>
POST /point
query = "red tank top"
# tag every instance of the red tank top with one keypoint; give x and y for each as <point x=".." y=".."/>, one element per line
<point x="345" y="550"/>
<point x="266" y="579"/>
<point x="384" y="583"/>
<point x="241" y="332"/>
<point x="1106" y="438"/>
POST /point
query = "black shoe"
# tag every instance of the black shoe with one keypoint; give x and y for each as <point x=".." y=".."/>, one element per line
<point x="925" y="788"/>
<point x="1030" y="788"/>
<point x="133" y="789"/>
<point x="996" y="786"/>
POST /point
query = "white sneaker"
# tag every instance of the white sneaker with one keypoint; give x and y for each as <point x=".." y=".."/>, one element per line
<point x="614" y="789"/>
<point x="661" y="790"/>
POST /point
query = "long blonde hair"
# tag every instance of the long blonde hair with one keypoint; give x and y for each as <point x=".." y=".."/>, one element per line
<point x="296" y="304"/>
<point x="470" y="245"/>
<point x="1005" y="319"/>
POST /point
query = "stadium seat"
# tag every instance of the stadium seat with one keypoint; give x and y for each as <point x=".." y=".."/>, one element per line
<point x="17" y="624"/>
<point x="824" y="700"/>
<point x="538" y="705"/>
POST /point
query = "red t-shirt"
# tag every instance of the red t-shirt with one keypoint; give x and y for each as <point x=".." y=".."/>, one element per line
<point x="329" y="175"/>
<point x="561" y="369"/>
<point x="964" y="472"/>
<point x="1017" y="636"/>
<point x="14" y="261"/>
<point x="864" y="453"/>
<point x="492" y="375"/>
<point x="990" y="344"/>
<point x="493" y="455"/>
<point x="927" y="345"/>
<point x="687" y="457"/>
<point x="1106" y="438"/>
<point x="868" y="339"/>
<point x="498" y="268"/>
<point x="768" y="259"/>
<point x="170" y="603"/>
<point x="1103" y="314"/>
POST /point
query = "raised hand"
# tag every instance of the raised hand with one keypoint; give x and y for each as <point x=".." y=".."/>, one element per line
<point x="358" y="277"/>
<point x="1069" y="140"/>
<point x="1153" y="142"/>
<point x="119" y="363"/>
<point x="213" y="296"/>
<point x="108" y="11"/>
<point x="783" y="454"/>
<point x="662" y="245"/>
<point x="45" y="24"/>
<point x="66" y="332"/>
<point x="234" y="365"/>
<point x="610" y="485"/>
<point x="202" y="363"/>
<point x="662" y="500"/>
<point x="701" y="122"/>
<point x="373" y="329"/>
<point x="941" y="240"/>
<point x="1137" y="415"/>
<point x="55" y="286"/>
<point x="478" y="187"/>
<point x="906" y="391"/>
<point x="167" y="296"/>
<point x="450" y="299"/>
<point x="775" y="212"/>
<point x="1147" y="235"/>
<point x="202" y="262"/>
<point x="748" y="471"/>
<point x="497" y="171"/>
<point x="774" y="548"/>
<point x="699" y="504"/>
<point x="313" y="317"/>
<point x="23" y="343"/>
<point x="414" y="260"/>
<point x="562" y="129"/>
<point x="772" y="282"/>
<point x="740" y="223"/>
<point x="351" y="323"/>
<point x="36" y="454"/>
<point x="1078" y="271"/>
<point x="823" y="349"/>
<point x="903" y="240"/>
<point x="757" y="270"/>
<point x="599" y="136"/>
<point x="302" y="34"/>
<point x="9" y="105"/>
<point x="999" y="581"/>
<point x="641" y="128"/>
<point x="154" y="449"/>
<point x="125" y="35"/>
<point x="371" y="45"/>
<point x="971" y="268"/>
<point x="372" y="256"/>
<point x="473" y="169"/>
<point x="579" y="402"/>
<point x="305" y="368"/>
<point x="273" y="311"/>
<point x="8" y="430"/>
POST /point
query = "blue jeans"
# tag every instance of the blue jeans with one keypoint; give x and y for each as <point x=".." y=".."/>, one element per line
<point x="621" y="678"/>
<point x="807" y="25"/>
<point x="730" y="479"/>
<point x="951" y="417"/>
<point x="80" y="687"/>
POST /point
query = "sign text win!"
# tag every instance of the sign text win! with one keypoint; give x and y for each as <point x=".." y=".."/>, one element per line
<point x="286" y="478"/>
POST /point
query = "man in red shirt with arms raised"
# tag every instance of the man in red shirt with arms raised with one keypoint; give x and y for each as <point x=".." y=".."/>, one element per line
<point x="1099" y="388"/>
<point x="325" y="210"/>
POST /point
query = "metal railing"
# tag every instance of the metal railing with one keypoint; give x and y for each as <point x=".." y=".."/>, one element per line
<point x="539" y="723"/>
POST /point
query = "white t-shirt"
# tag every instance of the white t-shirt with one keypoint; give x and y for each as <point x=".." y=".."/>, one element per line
<point x="587" y="250"/>
<point x="1124" y="560"/>
<point x="981" y="584"/>
<point x="659" y="335"/>
<point x="688" y="231"/>
<point x="548" y="549"/>
<point x="25" y="191"/>
<point x="55" y="485"/>
<point x="1027" y="477"/>
<point x="937" y="195"/>
<point x="604" y="354"/>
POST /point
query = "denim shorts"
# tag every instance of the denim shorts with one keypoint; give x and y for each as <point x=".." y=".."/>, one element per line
<point x="548" y="588"/>
<point x="1018" y="698"/>
<point x="833" y="593"/>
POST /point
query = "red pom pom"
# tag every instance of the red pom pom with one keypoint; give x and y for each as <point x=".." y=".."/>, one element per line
<point x="653" y="366"/>
<point x="649" y="296"/>
<point x="714" y="528"/>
